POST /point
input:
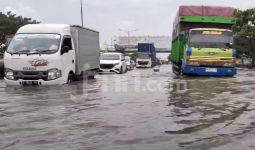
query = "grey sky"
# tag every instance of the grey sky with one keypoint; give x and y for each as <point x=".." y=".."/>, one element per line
<point x="150" y="17"/>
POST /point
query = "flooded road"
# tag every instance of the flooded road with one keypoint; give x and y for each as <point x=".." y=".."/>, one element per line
<point x="140" y="110"/>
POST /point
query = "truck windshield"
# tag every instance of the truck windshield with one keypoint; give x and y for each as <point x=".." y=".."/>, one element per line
<point x="210" y="39"/>
<point x="143" y="56"/>
<point x="110" y="57"/>
<point x="34" y="44"/>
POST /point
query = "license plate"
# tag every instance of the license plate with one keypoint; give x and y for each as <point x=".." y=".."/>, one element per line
<point x="211" y="70"/>
<point x="30" y="83"/>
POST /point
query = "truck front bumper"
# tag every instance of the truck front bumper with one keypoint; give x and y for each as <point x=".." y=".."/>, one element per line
<point x="40" y="82"/>
<point x="143" y="66"/>
<point x="208" y="71"/>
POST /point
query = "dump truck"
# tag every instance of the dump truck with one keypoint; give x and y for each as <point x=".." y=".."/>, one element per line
<point x="146" y="55"/>
<point x="202" y="41"/>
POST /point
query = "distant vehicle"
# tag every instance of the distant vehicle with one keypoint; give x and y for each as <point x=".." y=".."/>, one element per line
<point x="143" y="60"/>
<point x="113" y="62"/>
<point x="51" y="54"/>
<point x="202" y="41"/>
<point x="130" y="63"/>
<point x="156" y="69"/>
<point x="146" y="55"/>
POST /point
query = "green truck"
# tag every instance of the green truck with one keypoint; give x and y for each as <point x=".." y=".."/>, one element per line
<point x="202" y="41"/>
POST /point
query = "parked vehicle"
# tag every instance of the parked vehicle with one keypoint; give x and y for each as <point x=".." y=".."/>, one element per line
<point x="113" y="62"/>
<point x="202" y="41"/>
<point x="50" y="54"/>
<point x="130" y="63"/>
<point x="146" y="55"/>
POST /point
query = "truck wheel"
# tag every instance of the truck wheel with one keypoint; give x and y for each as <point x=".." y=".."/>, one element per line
<point x="126" y="70"/>
<point x="177" y="71"/>
<point x="91" y="75"/>
<point x="121" y="70"/>
<point x="70" y="78"/>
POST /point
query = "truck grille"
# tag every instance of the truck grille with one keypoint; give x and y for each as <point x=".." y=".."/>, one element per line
<point x="31" y="75"/>
<point x="106" y="66"/>
<point x="143" y="62"/>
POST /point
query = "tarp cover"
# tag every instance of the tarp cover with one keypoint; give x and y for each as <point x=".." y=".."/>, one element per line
<point x="206" y="11"/>
<point x="201" y="11"/>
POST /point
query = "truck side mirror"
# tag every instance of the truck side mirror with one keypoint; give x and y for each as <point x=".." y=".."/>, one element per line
<point x="65" y="49"/>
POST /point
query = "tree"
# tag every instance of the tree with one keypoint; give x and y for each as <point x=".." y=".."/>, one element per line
<point x="245" y="27"/>
<point x="10" y="23"/>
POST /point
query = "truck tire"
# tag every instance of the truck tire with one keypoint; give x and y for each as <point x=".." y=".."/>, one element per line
<point x="70" y="78"/>
<point x="126" y="70"/>
<point x="121" y="70"/>
<point x="176" y="70"/>
<point x="91" y="75"/>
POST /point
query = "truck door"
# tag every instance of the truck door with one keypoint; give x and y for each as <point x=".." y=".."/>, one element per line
<point x="67" y="56"/>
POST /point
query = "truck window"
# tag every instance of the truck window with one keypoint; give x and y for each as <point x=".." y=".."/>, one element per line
<point x="210" y="38"/>
<point x="67" y="42"/>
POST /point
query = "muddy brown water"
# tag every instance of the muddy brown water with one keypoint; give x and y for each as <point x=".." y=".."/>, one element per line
<point x="140" y="110"/>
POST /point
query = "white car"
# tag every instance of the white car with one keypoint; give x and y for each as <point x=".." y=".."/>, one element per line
<point x="113" y="62"/>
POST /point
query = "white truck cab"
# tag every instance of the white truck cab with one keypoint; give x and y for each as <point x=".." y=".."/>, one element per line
<point x="51" y="54"/>
<point x="143" y="61"/>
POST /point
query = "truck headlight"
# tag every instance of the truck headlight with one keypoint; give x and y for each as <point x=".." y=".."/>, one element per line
<point x="9" y="74"/>
<point x="54" y="74"/>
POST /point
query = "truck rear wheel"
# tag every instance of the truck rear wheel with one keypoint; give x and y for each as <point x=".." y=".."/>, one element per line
<point x="70" y="78"/>
<point x="91" y="74"/>
<point x="176" y="70"/>
<point x="121" y="70"/>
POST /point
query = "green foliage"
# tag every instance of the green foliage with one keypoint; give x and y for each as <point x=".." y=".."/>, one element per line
<point x="10" y="23"/>
<point x="245" y="27"/>
<point x="169" y="57"/>
<point x="134" y="55"/>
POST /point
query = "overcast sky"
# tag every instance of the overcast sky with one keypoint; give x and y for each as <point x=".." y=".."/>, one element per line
<point x="149" y="17"/>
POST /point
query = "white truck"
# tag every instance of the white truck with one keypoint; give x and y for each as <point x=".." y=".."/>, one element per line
<point x="51" y="54"/>
<point x="143" y="61"/>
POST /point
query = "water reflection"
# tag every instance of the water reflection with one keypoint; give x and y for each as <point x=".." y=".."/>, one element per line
<point x="209" y="109"/>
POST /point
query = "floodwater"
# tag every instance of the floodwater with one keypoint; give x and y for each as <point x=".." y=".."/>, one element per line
<point x="140" y="110"/>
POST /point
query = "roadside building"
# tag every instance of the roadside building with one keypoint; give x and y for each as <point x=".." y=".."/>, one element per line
<point x="162" y="43"/>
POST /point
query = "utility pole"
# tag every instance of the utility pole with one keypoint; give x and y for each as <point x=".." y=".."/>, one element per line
<point x="128" y="33"/>
<point x="81" y="14"/>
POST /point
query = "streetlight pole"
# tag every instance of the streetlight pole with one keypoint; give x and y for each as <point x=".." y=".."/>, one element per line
<point x="81" y="14"/>
<point x="128" y="33"/>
